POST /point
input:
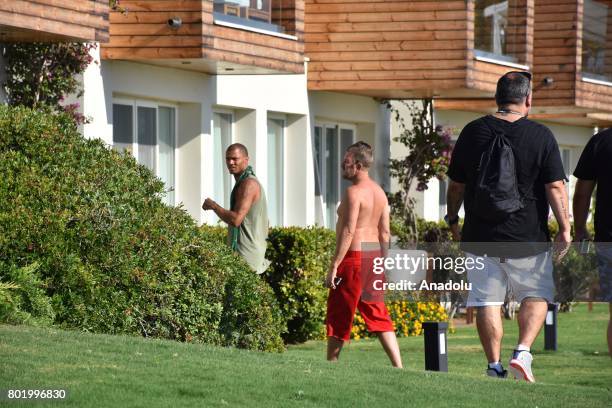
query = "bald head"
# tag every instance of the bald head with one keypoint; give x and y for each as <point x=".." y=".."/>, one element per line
<point x="238" y="146"/>
<point x="513" y="88"/>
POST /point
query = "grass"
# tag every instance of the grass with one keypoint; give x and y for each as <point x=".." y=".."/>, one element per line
<point x="102" y="370"/>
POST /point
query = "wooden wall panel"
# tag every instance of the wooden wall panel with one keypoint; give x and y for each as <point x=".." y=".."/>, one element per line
<point x="275" y="53"/>
<point x="484" y="76"/>
<point x="290" y="15"/>
<point x="588" y="95"/>
<point x="521" y="24"/>
<point x="382" y="46"/>
<point x="144" y="33"/>
<point x="54" y="20"/>
<point x="556" y="52"/>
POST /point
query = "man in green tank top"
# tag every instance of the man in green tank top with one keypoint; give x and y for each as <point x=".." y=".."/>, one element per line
<point x="247" y="217"/>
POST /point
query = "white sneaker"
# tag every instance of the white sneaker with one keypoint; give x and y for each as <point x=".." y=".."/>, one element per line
<point x="520" y="366"/>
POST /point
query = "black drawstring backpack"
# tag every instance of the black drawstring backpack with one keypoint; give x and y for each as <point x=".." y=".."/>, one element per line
<point x="496" y="191"/>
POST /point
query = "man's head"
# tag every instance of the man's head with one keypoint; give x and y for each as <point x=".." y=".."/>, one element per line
<point x="514" y="89"/>
<point x="358" y="158"/>
<point x="236" y="158"/>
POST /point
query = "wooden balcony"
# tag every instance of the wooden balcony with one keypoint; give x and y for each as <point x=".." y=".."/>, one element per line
<point x="53" y="20"/>
<point x="575" y="96"/>
<point x="409" y="49"/>
<point x="564" y="89"/>
<point x="210" y="39"/>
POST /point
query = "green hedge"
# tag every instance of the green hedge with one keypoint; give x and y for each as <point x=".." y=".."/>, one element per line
<point x="299" y="261"/>
<point x="90" y="245"/>
<point x="300" y="258"/>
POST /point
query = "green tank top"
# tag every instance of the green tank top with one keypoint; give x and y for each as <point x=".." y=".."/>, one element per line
<point x="253" y="233"/>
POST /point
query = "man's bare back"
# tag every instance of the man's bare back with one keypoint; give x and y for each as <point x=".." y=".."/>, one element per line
<point x="372" y="213"/>
<point x="363" y="217"/>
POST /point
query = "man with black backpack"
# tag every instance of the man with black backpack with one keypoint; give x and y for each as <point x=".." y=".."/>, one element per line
<point x="507" y="170"/>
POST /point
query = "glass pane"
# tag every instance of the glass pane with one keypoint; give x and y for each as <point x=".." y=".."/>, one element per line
<point x="166" y="150"/>
<point x="318" y="160"/>
<point x="123" y="125"/>
<point x="596" y="32"/>
<point x="147" y="137"/>
<point x="346" y="139"/>
<point x="252" y="13"/>
<point x="275" y="171"/>
<point x="443" y="185"/>
<point x="497" y="28"/>
<point x="332" y="172"/>
<point x="222" y="138"/>
<point x="566" y="161"/>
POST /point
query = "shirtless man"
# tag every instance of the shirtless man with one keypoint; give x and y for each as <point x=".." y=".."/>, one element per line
<point x="363" y="217"/>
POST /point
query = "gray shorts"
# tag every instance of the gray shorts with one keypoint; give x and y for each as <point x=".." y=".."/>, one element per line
<point x="604" y="262"/>
<point x="520" y="277"/>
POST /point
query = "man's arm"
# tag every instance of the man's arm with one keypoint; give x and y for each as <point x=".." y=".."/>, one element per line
<point x="345" y="234"/>
<point x="454" y="199"/>
<point x="245" y="197"/>
<point x="384" y="231"/>
<point x="582" y="203"/>
<point x="557" y="199"/>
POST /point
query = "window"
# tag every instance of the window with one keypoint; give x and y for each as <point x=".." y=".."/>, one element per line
<point x="148" y="131"/>
<point x="166" y="149"/>
<point x="330" y="143"/>
<point x="497" y="25"/>
<point x="443" y="187"/>
<point x="222" y="138"/>
<point x="566" y="160"/>
<point x="276" y="171"/>
<point x="251" y="13"/>
<point x="596" y="33"/>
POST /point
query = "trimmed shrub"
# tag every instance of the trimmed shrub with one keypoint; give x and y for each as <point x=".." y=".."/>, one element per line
<point x="574" y="276"/>
<point x="110" y="256"/>
<point x="214" y="233"/>
<point x="300" y="258"/>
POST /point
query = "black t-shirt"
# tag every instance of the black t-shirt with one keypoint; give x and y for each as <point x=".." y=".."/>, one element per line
<point x="538" y="162"/>
<point x="596" y="164"/>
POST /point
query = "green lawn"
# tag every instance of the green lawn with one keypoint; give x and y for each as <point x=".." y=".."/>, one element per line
<point x="101" y="370"/>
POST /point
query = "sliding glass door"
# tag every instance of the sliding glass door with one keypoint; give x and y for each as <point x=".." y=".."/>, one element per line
<point x="330" y="142"/>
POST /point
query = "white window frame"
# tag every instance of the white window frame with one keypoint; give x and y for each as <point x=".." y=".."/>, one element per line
<point x="145" y="103"/>
<point x="323" y="176"/>
<point x="225" y="111"/>
<point x="283" y="201"/>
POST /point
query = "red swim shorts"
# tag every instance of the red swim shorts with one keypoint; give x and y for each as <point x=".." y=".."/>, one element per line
<point x="343" y="300"/>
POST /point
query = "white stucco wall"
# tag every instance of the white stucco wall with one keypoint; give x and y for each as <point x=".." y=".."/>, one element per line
<point x="369" y="116"/>
<point x="427" y="203"/>
<point x="370" y="120"/>
<point x="196" y="96"/>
